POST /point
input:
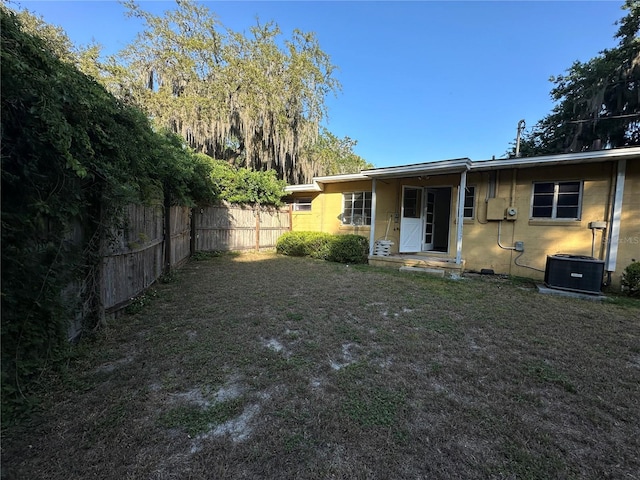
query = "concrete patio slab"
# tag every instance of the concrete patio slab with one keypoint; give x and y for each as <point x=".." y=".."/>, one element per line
<point x="567" y="293"/>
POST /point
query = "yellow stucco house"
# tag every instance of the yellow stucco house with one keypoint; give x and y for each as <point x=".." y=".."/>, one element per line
<point x="507" y="216"/>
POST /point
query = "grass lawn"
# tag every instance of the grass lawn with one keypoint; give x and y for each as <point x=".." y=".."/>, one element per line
<point x="267" y="367"/>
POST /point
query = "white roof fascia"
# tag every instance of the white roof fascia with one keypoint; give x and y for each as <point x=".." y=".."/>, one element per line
<point x="307" y="187"/>
<point x="564" y="159"/>
<point x="318" y="182"/>
<point x="428" y="168"/>
<point x="347" y="177"/>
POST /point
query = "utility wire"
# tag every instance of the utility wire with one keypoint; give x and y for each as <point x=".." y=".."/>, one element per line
<point x="605" y="118"/>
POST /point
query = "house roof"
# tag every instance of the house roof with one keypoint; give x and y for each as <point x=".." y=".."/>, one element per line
<point x="319" y="182"/>
<point x="430" y="168"/>
<point x="559" y="159"/>
<point x="458" y="165"/>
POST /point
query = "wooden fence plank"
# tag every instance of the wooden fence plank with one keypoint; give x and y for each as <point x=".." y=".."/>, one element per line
<point x="134" y="256"/>
<point x="180" y="235"/>
<point x="230" y="227"/>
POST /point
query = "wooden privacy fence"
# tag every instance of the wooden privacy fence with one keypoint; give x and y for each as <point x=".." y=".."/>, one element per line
<point x="180" y="244"/>
<point x="140" y="251"/>
<point x="227" y="227"/>
<point x="134" y="256"/>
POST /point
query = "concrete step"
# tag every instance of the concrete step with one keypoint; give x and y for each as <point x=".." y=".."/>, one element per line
<point x="430" y="271"/>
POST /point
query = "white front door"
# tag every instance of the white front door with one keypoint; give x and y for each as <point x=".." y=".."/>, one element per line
<point x="411" y="220"/>
<point x="429" y="219"/>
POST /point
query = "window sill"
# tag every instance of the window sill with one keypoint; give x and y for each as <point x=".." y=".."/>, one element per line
<point x="354" y="227"/>
<point x="301" y="212"/>
<point x="555" y="223"/>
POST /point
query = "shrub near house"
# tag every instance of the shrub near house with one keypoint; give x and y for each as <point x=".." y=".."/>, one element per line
<point x="631" y="279"/>
<point x="325" y="246"/>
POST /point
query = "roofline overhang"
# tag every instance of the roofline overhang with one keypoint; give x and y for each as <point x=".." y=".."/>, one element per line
<point x="442" y="167"/>
<point x="348" y="177"/>
<point x="319" y="182"/>
<point x="307" y="187"/>
<point x="558" y="159"/>
<point x="459" y="165"/>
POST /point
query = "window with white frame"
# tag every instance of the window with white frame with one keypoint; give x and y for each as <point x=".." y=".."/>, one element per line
<point x="469" y="202"/>
<point x="302" y="204"/>
<point x="356" y="208"/>
<point x="557" y="200"/>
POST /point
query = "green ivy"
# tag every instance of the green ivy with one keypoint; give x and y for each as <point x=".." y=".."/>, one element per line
<point x="72" y="157"/>
<point x="48" y="185"/>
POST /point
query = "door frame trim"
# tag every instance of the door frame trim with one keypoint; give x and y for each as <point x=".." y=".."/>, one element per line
<point x="450" y="218"/>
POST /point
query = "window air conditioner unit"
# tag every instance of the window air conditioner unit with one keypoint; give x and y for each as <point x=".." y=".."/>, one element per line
<point x="575" y="273"/>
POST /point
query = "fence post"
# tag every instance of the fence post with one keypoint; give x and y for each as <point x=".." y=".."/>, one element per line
<point x="258" y="229"/>
<point x="192" y="239"/>
<point x="167" y="232"/>
<point x="99" y="289"/>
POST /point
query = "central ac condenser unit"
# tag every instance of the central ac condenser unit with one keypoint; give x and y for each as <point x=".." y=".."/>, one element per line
<point x="576" y="273"/>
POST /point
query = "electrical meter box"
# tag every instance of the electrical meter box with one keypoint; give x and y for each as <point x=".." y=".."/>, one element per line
<point x="496" y="208"/>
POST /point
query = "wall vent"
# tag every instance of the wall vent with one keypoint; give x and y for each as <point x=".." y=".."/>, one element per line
<point x="576" y="273"/>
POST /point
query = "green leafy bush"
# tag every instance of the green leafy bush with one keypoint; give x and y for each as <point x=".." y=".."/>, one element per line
<point x="631" y="279"/>
<point x="303" y="244"/>
<point x="240" y="185"/>
<point x="334" y="248"/>
<point x="348" y="249"/>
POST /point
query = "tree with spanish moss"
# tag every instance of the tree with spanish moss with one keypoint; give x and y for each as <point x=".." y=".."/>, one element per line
<point x="331" y="155"/>
<point x="241" y="98"/>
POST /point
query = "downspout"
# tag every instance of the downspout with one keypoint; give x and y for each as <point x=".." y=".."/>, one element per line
<point x="609" y="212"/>
<point x="461" y="193"/>
<point x="372" y="231"/>
<point x="614" y="221"/>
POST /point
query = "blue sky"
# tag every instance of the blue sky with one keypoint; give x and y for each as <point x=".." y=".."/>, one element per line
<point x="421" y="81"/>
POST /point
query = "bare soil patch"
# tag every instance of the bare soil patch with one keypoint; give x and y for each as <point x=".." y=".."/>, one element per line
<point x="261" y="366"/>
